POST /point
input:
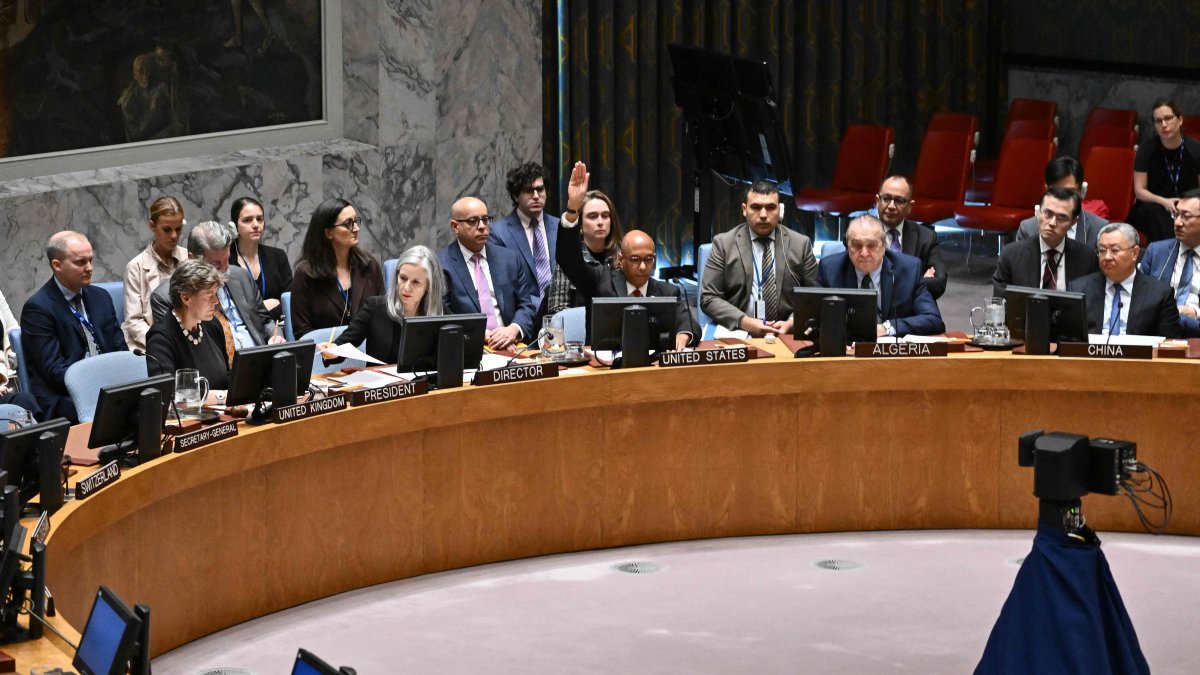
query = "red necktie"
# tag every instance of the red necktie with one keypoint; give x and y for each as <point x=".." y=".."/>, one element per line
<point x="637" y="293"/>
<point x="1050" y="276"/>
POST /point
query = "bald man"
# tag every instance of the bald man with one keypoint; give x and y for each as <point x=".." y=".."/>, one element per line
<point x="484" y="278"/>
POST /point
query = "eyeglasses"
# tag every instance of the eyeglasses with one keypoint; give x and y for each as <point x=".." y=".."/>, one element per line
<point x="1184" y="215"/>
<point x="638" y="261"/>
<point x="352" y="223"/>
<point x="474" y="221"/>
<point x="1102" y="251"/>
<point x="898" y="201"/>
<point x="1059" y="218"/>
<point x="535" y="190"/>
<point x="1167" y="119"/>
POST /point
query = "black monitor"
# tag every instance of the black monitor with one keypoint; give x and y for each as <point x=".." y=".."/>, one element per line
<point x="32" y="456"/>
<point x="270" y="373"/>
<point x="110" y="637"/>
<point x="617" y="324"/>
<point x="447" y="344"/>
<point x="10" y="562"/>
<point x="858" y="307"/>
<point x="308" y="663"/>
<point x="133" y="411"/>
<point x="1063" y="320"/>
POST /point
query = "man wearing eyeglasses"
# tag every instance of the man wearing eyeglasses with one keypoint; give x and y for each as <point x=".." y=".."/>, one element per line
<point x="1067" y="172"/>
<point x="1121" y="300"/>
<point x="1052" y="259"/>
<point x="894" y="202"/>
<point x="482" y="277"/>
<point x="528" y="230"/>
<point x="1176" y="262"/>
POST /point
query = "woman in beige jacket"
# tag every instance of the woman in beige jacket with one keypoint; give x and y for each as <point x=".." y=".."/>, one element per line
<point x="151" y="267"/>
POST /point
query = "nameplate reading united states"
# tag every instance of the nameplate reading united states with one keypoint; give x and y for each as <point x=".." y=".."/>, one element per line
<point x="300" y="411"/>
<point x="533" y="371"/>
<point x="1090" y="351"/>
<point x="704" y="357"/>
<point x="887" y="350"/>
<point x="205" y="436"/>
<point x="389" y="392"/>
<point x="102" y="477"/>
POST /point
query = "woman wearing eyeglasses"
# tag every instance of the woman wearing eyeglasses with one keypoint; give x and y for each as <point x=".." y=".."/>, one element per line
<point x="334" y="276"/>
<point x="1166" y="166"/>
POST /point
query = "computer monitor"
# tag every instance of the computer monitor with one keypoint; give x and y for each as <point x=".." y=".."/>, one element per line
<point x="32" y="456"/>
<point x="616" y="325"/>
<point x="109" y="638"/>
<point x="270" y="372"/>
<point x="308" y="663"/>
<point x="447" y="344"/>
<point x="860" y="324"/>
<point x="1067" y="316"/>
<point x="10" y="565"/>
<point x="133" y="411"/>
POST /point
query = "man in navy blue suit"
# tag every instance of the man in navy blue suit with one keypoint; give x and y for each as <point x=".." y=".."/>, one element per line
<point x="1176" y="262"/>
<point x="482" y="277"/>
<point x="64" y="322"/>
<point x="904" y="303"/>
<point x="528" y="230"/>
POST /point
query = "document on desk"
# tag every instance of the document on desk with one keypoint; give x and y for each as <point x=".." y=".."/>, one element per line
<point x="925" y="339"/>
<point x="1126" y="340"/>
<point x="365" y="378"/>
<point x="723" y="332"/>
<point x="349" y="351"/>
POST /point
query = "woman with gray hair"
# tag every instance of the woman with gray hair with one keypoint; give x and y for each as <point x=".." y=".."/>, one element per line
<point x="417" y="290"/>
<point x="189" y="336"/>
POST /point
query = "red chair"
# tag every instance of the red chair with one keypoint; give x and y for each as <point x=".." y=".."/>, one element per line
<point x="1104" y="137"/>
<point x="1111" y="117"/>
<point x="943" y="169"/>
<point x="1027" y="118"/>
<point x="1109" y="173"/>
<point x="1031" y="109"/>
<point x="952" y="121"/>
<point x="1191" y="129"/>
<point x="863" y="160"/>
<point x="1018" y="187"/>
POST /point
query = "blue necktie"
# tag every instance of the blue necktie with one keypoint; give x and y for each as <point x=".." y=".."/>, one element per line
<point x="1114" y="319"/>
<point x="1185" y="278"/>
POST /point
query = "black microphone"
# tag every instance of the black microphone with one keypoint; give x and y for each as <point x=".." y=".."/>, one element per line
<point x="143" y="352"/>
<point x="1120" y="306"/>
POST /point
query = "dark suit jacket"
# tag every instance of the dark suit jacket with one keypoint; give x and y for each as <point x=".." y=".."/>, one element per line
<point x="1158" y="261"/>
<point x="169" y="351"/>
<point x="277" y="268"/>
<point x="1087" y="231"/>
<point x="373" y="324"/>
<point x="53" y="340"/>
<point x="1021" y="264"/>
<point x="245" y="297"/>
<point x="920" y="241"/>
<point x="1152" y="309"/>
<point x="905" y="301"/>
<point x="600" y="281"/>
<point x="509" y="233"/>
<point x="729" y="275"/>
<point x="317" y="303"/>
<point x="514" y="289"/>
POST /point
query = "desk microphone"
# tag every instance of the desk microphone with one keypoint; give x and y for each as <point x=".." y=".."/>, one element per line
<point x="1120" y="306"/>
<point x="143" y="352"/>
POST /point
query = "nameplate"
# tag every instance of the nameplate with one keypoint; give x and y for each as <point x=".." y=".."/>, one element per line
<point x="533" y="371"/>
<point x="102" y="477"/>
<point x="203" y="437"/>
<point x="291" y="413"/>
<point x="43" y="528"/>
<point x="389" y="392"/>
<point x="1089" y="351"/>
<point x="703" y="357"/>
<point x="887" y="350"/>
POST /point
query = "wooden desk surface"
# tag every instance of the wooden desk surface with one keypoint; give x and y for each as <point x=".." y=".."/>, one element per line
<point x="282" y="515"/>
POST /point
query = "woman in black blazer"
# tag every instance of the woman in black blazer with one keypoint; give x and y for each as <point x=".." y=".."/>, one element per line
<point x="417" y="290"/>
<point x="269" y="266"/>
<point x="189" y="336"/>
<point x="334" y="276"/>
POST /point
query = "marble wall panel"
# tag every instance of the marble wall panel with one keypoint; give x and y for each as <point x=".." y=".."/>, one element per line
<point x="360" y="70"/>
<point x="408" y="76"/>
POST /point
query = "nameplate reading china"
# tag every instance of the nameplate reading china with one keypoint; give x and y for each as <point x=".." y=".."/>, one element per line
<point x="887" y="350"/>
<point x="533" y="371"/>
<point x="203" y="437"/>
<point x="704" y="357"/>
<point x="300" y="411"/>
<point x="1090" y="351"/>
<point x="102" y="477"/>
<point x="389" y="392"/>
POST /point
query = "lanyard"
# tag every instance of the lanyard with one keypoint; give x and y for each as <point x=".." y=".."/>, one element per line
<point x="262" y="272"/>
<point x="345" y="299"/>
<point x="760" y="275"/>
<point x="1174" y="172"/>
<point x="83" y="320"/>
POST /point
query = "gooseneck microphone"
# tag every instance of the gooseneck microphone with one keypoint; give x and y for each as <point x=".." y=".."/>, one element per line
<point x="143" y="352"/>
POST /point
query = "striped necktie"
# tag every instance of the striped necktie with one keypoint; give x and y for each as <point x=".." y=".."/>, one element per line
<point x="541" y="258"/>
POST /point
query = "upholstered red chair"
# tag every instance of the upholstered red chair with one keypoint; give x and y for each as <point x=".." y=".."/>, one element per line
<point x="943" y="170"/>
<point x="1109" y="174"/>
<point x="863" y="160"/>
<point x="1019" y="184"/>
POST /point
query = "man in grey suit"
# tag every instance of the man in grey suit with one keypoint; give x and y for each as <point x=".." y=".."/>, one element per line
<point x="752" y="269"/>
<point x="1066" y="172"/>
<point x="239" y="303"/>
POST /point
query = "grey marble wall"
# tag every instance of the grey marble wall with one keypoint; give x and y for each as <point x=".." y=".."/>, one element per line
<point x="439" y="101"/>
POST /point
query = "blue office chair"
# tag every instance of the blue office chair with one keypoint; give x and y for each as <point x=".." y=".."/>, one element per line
<point x="9" y="414"/>
<point x="830" y="248"/>
<point x="85" y="379"/>
<point x="707" y="325"/>
<point x="14" y="339"/>
<point x="574" y="323"/>
<point x="322" y="335"/>
<point x="116" y="291"/>
<point x="285" y="302"/>
<point x="389" y="273"/>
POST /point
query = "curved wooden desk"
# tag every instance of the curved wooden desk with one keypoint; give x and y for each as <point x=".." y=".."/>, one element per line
<point x="286" y="514"/>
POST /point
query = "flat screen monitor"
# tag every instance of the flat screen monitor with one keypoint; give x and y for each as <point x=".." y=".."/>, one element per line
<point x="10" y="560"/>
<point x="251" y="372"/>
<point x="308" y="663"/>
<point x="108" y="637"/>
<point x="118" y="408"/>
<point x="608" y="320"/>
<point x="1068" y="313"/>
<point x="33" y="455"/>
<point x="862" y="314"/>
<point x="419" y="340"/>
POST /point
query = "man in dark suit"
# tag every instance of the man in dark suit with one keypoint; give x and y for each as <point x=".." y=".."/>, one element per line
<point x="482" y="277"/>
<point x="894" y="201"/>
<point x="1119" y="299"/>
<point x="904" y="303"/>
<point x="1176" y="262"/>
<point x="66" y="321"/>
<point x="1067" y="172"/>
<point x="528" y="230"/>
<point x="1050" y="260"/>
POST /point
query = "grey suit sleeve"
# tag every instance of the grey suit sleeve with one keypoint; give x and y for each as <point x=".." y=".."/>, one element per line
<point x="713" y="291"/>
<point x="1002" y="276"/>
<point x="1027" y="229"/>
<point x="808" y="265"/>
<point x="160" y="301"/>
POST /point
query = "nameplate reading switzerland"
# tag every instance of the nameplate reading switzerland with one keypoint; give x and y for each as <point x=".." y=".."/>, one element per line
<point x="533" y="371"/>
<point x="300" y="411"/>
<point x="1087" y="351"/>
<point x="205" y="436"/>
<point x="887" y="350"/>
<point x="704" y="357"/>
<point x="389" y="392"/>
<point x="102" y="477"/>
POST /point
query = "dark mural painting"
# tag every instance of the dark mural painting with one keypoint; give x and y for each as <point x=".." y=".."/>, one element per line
<point x="79" y="75"/>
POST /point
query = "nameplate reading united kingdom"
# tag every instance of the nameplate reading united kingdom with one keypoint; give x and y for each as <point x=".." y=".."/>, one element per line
<point x="102" y="477"/>
<point x="532" y="371"/>
<point x="704" y="357"/>
<point x="1097" y="351"/>
<point x="300" y="411"/>
<point x="389" y="392"/>
<point x="888" y="350"/>
<point x="205" y="436"/>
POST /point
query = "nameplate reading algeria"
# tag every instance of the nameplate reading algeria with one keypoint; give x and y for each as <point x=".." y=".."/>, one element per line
<point x="203" y="437"/>
<point x="102" y="477"/>
<point x="300" y="411"/>
<point x="389" y="392"/>
<point x="1089" y="351"/>
<point x="533" y="371"/>
<point x="704" y="357"/>
<point x="887" y="350"/>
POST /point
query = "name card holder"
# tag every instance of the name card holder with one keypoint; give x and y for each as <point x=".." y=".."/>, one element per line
<point x="206" y="436"/>
<point x="300" y="411"/>
<point x="1083" y="350"/>
<point x="100" y="478"/>
<point x="888" y="350"/>
<point x="533" y="371"/>
<point x="704" y="357"/>
<point x="389" y="392"/>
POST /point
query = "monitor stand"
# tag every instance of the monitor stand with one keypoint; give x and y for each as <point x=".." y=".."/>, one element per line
<point x="635" y="340"/>
<point x="833" y="327"/>
<point x="1037" y="325"/>
<point x="50" y="475"/>
<point x="148" y="426"/>
<point x="281" y="392"/>
<point x="450" y="360"/>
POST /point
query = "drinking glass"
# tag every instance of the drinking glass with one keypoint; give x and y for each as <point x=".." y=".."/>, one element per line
<point x="552" y="339"/>
<point x="191" y="389"/>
